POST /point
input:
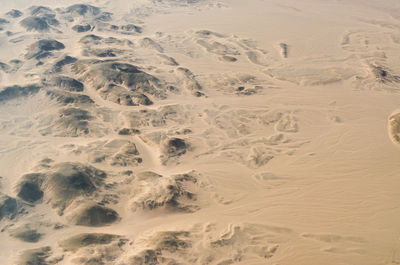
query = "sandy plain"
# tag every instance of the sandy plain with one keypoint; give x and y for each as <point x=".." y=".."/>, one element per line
<point x="200" y="132"/>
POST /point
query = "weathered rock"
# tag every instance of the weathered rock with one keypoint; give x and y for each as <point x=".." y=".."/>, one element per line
<point x="29" y="188"/>
<point x="94" y="215"/>
<point x="8" y="207"/>
<point x="67" y="83"/>
<point x="36" y="256"/>
<point x="14" y="13"/>
<point x="43" y="48"/>
<point x="83" y="10"/>
<point x="88" y="239"/>
<point x="81" y="28"/>
<point x="62" y="62"/>
<point x="13" y="92"/>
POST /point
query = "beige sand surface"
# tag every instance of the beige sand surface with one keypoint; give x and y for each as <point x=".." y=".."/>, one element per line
<point x="200" y="132"/>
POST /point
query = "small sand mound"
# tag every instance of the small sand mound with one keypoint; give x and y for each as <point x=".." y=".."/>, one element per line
<point x="151" y="44"/>
<point x="228" y="58"/>
<point x="148" y="176"/>
<point x="312" y="75"/>
<point x="207" y="33"/>
<point x="217" y="47"/>
<point x="394" y="127"/>
<point x="189" y="80"/>
<point x="168" y="60"/>
<point x="94" y="215"/>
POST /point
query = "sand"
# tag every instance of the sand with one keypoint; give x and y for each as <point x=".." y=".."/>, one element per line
<point x="199" y="132"/>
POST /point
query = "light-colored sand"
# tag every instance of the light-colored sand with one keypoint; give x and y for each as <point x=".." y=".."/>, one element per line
<point x="200" y="132"/>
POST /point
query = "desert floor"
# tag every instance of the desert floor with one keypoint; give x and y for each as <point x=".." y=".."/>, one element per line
<point x="200" y="132"/>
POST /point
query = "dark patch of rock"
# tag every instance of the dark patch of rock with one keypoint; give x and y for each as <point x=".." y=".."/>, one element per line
<point x="62" y="62"/>
<point x="43" y="48"/>
<point x="14" y="13"/>
<point x="36" y="256"/>
<point x="8" y="207"/>
<point x="38" y="23"/>
<point x="228" y="58"/>
<point x="83" y="10"/>
<point x="128" y="131"/>
<point x="81" y="28"/>
<point x="175" y="147"/>
<point x="4" y="67"/>
<point x="84" y="240"/>
<point x="67" y="83"/>
<point x="4" y="21"/>
<point x="121" y="83"/>
<point x="90" y="39"/>
<point x="383" y="74"/>
<point x="104" y="17"/>
<point x="29" y="187"/>
<point x="94" y="215"/>
<point x="75" y="121"/>
<point x="131" y="27"/>
<point x="151" y="44"/>
<point x="67" y="181"/>
<point x="41" y="11"/>
<point x="13" y="92"/>
<point x="66" y="98"/>
<point x="26" y="234"/>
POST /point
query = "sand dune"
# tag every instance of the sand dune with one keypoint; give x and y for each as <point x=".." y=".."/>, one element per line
<point x="199" y="132"/>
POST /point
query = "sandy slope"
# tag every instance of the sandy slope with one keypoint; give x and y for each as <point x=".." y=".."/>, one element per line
<point x="199" y="132"/>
